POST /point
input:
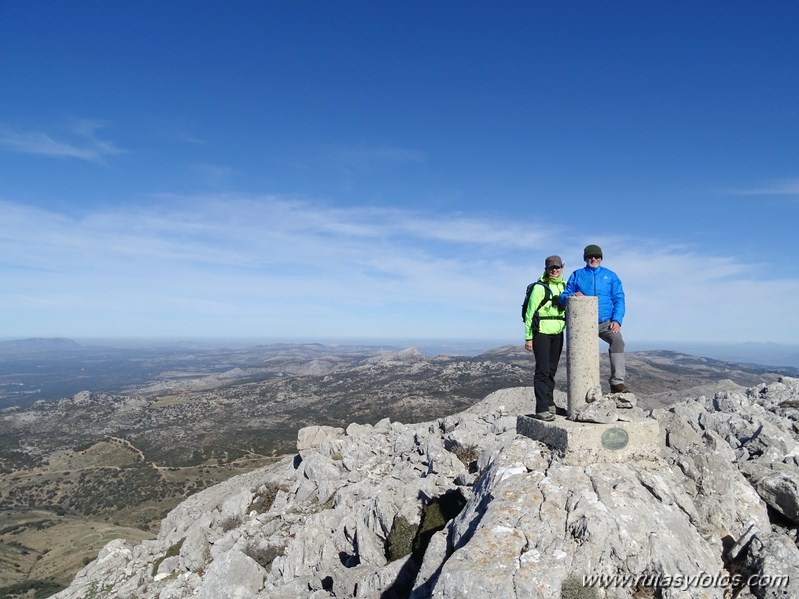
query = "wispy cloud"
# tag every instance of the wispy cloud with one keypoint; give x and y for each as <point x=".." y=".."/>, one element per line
<point x="784" y="187"/>
<point x="266" y="265"/>
<point x="82" y="142"/>
<point x="263" y="250"/>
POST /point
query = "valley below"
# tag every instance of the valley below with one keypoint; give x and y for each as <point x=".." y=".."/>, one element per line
<point x="111" y="460"/>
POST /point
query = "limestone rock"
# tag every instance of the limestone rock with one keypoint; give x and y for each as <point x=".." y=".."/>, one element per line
<point x="594" y="394"/>
<point x="232" y="576"/>
<point x="378" y="510"/>
<point x="601" y="411"/>
<point x="774" y="562"/>
<point x="778" y="485"/>
<point x="624" y="401"/>
<point x="195" y="550"/>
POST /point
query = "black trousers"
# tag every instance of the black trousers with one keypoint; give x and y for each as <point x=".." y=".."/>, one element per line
<point x="547" y="350"/>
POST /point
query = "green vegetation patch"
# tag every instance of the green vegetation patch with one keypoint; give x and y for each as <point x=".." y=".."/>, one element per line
<point x="31" y="589"/>
<point x="99" y="591"/>
<point x="573" y="587"/>
<point x="169" y="400"/>
<point x="400" y="540"/>
<point x="264" y="554"/>
<point x="23" y="526"/>
<point x="173" y="551"/>
<point x="12" y="460"/>
<point x="230" y="523"/>
<point x="265" y="498"/>
<point x="435" y="516"/>
<point x="406" y="538"/>
<point x="468" y="455"/>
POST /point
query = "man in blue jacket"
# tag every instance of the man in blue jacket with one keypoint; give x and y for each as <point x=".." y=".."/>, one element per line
<point x="597" y="280"/>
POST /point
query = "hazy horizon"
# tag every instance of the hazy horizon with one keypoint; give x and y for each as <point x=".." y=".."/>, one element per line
<point x="763" y="353"/>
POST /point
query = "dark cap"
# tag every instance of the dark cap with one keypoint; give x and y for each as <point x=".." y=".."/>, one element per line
<point x="553" y="261"/>
<point x="592" y="250"/>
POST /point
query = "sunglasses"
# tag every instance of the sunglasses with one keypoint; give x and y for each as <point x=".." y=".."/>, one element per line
<point x="593" y="257"/>
<point x="554" y="267"/>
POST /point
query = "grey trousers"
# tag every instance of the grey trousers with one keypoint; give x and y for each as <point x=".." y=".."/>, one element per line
<point x="616" y="352"/>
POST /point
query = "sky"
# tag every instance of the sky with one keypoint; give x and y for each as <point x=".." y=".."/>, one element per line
<point x="321" y="170"/>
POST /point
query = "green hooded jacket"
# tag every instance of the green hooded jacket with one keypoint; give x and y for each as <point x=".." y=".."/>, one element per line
<point x="555" y="320"/>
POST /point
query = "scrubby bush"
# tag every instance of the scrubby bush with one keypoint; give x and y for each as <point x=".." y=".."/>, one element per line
<point x="174" y="550"/>
<point x="399" y="542"/>
<point x="264" y="499"/>
<point x="264" y="554"/>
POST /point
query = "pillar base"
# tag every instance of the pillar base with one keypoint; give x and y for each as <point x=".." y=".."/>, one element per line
<point x="580" y="443"/>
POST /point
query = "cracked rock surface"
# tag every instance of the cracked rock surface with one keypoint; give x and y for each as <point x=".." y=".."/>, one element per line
<point x="464" y="507"/>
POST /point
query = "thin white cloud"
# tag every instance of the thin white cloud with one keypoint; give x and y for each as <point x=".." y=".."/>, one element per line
<point x="178" y="129"/>
<point x="784" y="187"/>
<point x="85" y="143"/>
<point x="231" y="265"/>
<point x="469" y="230"/>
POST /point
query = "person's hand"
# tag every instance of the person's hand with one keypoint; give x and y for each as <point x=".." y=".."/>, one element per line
<point x="615" y="327"/>
<point x="528" y="345"/>
<point x="579" y="293"/>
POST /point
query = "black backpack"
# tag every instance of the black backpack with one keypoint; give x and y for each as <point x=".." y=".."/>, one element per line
<point x="547" y="296"/>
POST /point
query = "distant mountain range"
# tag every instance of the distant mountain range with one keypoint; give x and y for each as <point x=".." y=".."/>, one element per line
<point x="38" y="344"/>
<point x="55" y="368"/>
<point x="766" y="354"/>
<point x="112" y="438"/>
<point x="406" y="494"/>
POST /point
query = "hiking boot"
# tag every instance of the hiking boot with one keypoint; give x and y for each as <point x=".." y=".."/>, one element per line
<point x="545" y="416"/>
<point x="620" y="388"/>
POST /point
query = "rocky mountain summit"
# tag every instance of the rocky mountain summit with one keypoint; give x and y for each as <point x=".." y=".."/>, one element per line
<point x="111" y="461"/>
<point x="463" y="506"/>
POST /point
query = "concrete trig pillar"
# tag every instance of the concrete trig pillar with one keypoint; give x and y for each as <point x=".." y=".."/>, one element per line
<point x="579" y="443"/>
<point x="582" y="354"/>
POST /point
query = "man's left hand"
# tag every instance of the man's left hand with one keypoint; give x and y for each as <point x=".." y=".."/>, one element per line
<point x="615" y="327"/>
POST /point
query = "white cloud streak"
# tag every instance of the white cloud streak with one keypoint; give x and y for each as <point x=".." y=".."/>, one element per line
<point x="84" y="145"/>
<point x="785" y="187"/>
<point x="226" y="265"/>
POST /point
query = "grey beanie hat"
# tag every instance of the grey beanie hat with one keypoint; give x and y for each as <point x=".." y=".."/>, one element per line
<point x="553" y="261"/>
<point x="591" y="250"/>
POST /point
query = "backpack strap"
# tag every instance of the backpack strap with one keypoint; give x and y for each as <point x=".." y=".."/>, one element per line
<point x="547" y="296"/>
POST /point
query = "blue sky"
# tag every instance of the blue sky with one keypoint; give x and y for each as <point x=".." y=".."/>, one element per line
<point x="323" y="170"/>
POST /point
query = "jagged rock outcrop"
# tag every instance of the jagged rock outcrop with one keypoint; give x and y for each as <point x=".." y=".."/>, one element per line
<point x="464" y="507"/>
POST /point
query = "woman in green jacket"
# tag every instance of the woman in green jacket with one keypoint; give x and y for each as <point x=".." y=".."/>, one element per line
<point x="544" y="322"/>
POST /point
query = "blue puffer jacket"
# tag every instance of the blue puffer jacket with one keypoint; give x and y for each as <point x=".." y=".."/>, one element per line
<point x="604" y="284"/>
